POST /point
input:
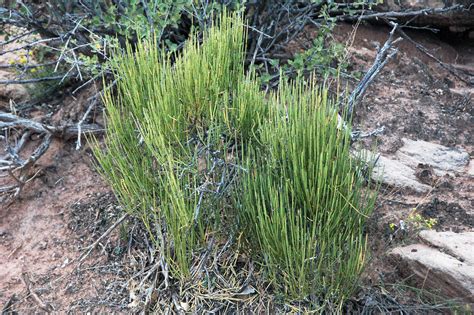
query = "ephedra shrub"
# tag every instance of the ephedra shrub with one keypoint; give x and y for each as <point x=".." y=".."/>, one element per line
<point x="195" y="149"/>
<point x="302" y="200"/>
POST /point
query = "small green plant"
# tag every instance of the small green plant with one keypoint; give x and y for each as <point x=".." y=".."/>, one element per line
<point x="418" y="222"/>
<point x="197" y="151"/>
<point x="324" y="55"/>
<point x="414" y="223"/>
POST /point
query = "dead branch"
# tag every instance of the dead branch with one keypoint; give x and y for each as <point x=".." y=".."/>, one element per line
<point x="36" y="80"/>
<point x="27" y="66"/>
<point x="8" y="307"/>
<point x="371" y="15"/>
<point x="12" y="163"/>
<point x="15" y="38"/>
<point x="94" y="245"/>
<point x="383" y="56"/>
<point x="358" y="134"/>
<point x="39" y="151"/>
<point x="66" y="132"/>
<point x="425" y="51"/>
<point x="30" y="45"/>
<point x="44" y="306"/>
<point x="79" y="124"/>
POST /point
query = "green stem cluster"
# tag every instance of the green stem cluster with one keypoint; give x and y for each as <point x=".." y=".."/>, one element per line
<point x="178" y="128"/>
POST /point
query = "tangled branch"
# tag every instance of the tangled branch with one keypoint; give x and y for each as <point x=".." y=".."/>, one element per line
<point x="16" y="167"/>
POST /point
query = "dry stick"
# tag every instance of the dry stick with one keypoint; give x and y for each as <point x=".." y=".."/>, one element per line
<point x="149" y="295"/>
<point x="19" y="182"/>
<point x="401" y="14"/>
<point x="7" y="308"/>
<point x="383" y="56"/>
<point x="79" y="124"/>
<point x="36" y="80"/>
<point x="13" y="252"/>
<point x="9" y="120"/>
<point x="20" y="165"/>
<point x="27" y="66"/>
<point x="29" y="45"/>
<point x="65" y="131"/>
<point x="13" y="39"/>
<point x="94" y="245"/>
<point x="423" y="49"/>
<point x="44" y="306"/>
<point x="39" y="151"/>
<point x="358" y="134"/>
<point x="6" y="118"/>
<point x="21" y="143"/>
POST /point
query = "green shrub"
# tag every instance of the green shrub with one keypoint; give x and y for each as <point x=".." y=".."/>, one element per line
<point x="181" y="111"/>
<point x="196" y="150"/>
<point x="302" y="200"/>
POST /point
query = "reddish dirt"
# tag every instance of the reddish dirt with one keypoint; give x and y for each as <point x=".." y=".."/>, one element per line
<point x="43" y="231"/>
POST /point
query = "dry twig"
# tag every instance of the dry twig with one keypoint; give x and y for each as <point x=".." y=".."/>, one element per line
<point x="400" y="14"/>
<point x="106" y="233"/>
<point x="12" y="162"/>
<point x="384" y="54"/>
<point x="424" y="50"/>
<point x="47" y="307"/>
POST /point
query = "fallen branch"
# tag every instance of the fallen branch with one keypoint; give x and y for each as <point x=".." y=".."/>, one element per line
<point x="8" y="307"/>
<point x="44" y="306"/>
<point x="67" y="131"/>
<point x="36" y="80"/>
<point x="39" y="151"/>
<point x="79" y="124"/>
<point x="27" y="66"/>
<point x="358" y="134"/>
<point x="28" y="46"/>
<point x="13" y="163"/>
<point x="424" y="50"/>
<point x="400" y="14"/>
<point x="384" y="54"/>
<point x="94" y="245"/>
<point x="15" y="38"/>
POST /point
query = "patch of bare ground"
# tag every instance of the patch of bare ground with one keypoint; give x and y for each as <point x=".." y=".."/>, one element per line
<point x="44" y="231"/>
<point x="63" y="207"/>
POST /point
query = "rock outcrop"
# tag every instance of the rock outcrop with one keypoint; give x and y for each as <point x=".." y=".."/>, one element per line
<point x="445" y="262"/>
<point x="400" y="170"/>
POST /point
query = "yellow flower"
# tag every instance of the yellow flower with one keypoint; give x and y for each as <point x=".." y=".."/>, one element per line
<point x="23" y="60"/>
<point x="30" y="53"/>
<point x="11" y="61"/>
<point x="392" y="226"/>
<point x="33" y="70"/>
